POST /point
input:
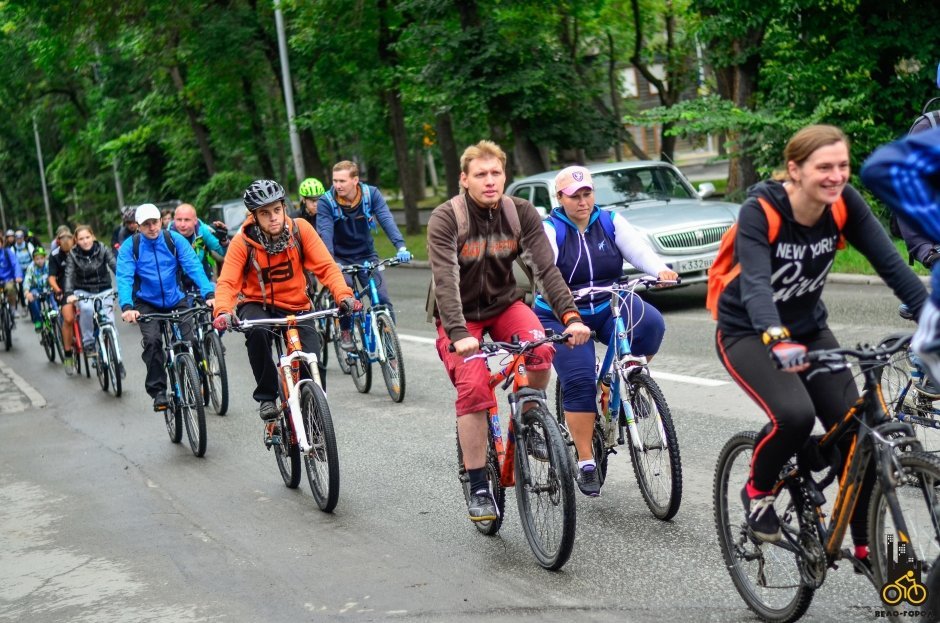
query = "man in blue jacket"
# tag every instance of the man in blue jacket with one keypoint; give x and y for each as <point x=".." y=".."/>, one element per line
<point x="148" y="268"/>
<point x="346" y="216"/>
<point x="11" y="274"/>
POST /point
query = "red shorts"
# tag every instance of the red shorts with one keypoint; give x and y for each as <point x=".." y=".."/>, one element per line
<point x="472" y="378"/>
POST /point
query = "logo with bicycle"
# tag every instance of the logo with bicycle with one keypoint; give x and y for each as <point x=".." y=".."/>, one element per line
<point x="904" y="574"/>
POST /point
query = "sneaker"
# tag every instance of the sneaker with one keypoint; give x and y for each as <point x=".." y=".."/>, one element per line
<point x="267" y="410"/>
<point x="537" y="446"/>
<point x="69" y="364"/>
<point x="160" y="402"/>
<point x="482" y="507"/>
<point x="589" y="481"/>
<point x="762" y="517"/>
<point x="38" y="326"/>
<point x="346" y="341"/>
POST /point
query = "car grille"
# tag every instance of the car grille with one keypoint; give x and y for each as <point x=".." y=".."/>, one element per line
<point x="693" y="238"/>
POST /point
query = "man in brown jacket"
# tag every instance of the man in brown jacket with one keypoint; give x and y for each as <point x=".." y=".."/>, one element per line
<point x="476" y="292"/>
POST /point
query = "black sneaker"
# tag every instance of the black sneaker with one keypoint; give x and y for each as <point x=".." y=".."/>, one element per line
<point x="482" y="507"/>
<point x="346" y="341"/>
<point x="762" y="517"/>
<point x="267" y="410"/>
<point x="160" y="402"/>
<point x="537" y="446"/>
<point x="589" y="481"/>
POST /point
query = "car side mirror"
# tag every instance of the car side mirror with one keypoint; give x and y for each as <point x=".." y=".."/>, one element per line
<point x="706" y="190"/>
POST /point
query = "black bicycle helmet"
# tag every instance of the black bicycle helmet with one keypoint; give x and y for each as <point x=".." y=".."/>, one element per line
<point x="129" y="215"/>
<point x="263" y="192"/>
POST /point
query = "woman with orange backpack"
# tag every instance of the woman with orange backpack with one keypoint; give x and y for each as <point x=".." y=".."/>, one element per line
<point x="770" y="313"/>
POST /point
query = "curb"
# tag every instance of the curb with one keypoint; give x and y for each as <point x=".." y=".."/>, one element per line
<point x="35" y="398"/>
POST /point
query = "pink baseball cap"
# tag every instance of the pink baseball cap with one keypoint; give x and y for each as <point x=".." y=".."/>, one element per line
<point x="572" y="179"/>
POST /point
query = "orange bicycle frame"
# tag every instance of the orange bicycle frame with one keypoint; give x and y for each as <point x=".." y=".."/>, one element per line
<point x="505" y="452"/>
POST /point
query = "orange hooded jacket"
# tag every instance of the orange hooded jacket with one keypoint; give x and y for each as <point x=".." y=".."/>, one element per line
<point x="285" y="285"/>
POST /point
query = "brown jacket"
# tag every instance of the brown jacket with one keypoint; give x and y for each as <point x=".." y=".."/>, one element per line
<point x="477" y="283"/>
<point x="285" y="285"/>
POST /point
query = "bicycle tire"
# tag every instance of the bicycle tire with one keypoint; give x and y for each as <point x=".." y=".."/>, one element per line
<point x="100" y="372"/>
<point x="47" y="339"/>
<point x="738" y="549"/>
<point x="216" y="372"/>
<point x="172" y="414"/>
<point x="287" y="454"/>
<point x="895" y="379"/>
<point x="322" y="462"/>
<point x="360" y="367"/>
<point x="76" y="354"/>
<point x="491" y="526"/>
<point x="191" y="409"/>
<point x="393" y="368"/>
<point x="324" y="301"/>
<point x="918" y="497"/>
<point x="932" y="605"/>
<point x="85" y="362"/>
<point x="338" y="349"/>
<point x="114" y="365"/>
<point x="57" y="338"/>
<point x="659" y="476"/>
<point x="7" y="328"/>
<point x="598" y="446"/>
<point x="545" y="488"/>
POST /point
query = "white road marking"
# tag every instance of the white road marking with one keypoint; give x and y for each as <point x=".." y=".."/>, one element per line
<point x="31" y="392"/>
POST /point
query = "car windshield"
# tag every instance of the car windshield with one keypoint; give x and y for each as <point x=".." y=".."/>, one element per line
<point x="626" y="186"/>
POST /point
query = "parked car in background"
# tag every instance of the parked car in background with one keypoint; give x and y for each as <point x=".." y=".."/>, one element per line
<point x="232" y="212"/>
<point x="658" y="201"/>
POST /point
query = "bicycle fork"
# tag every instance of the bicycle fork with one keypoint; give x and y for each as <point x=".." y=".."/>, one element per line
<point x="293" y="392"/>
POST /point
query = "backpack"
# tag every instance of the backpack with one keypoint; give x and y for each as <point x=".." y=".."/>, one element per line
<point x="339" y="214"/>
<point x="166" y="236"/>
<point x="463" y="229"/>
<point x="607" y="222"/>
<point x="251" y="260"/>
<point x="726" y="267"/>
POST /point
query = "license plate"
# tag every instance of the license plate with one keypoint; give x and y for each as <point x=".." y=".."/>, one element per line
<point x="688" y="266"/>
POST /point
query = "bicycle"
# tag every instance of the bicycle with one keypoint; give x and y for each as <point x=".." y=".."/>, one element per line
<point x="323" y="301"/>
<point x="304" y="425"/>
<point x="544" y="488"/>
<point x="633" y="411"/>
<point x="50" y="334"/>
<point x="210" y="358"/>
<point x="777" y="580"/>
<point x="374" y="337"/>
<point x="7" y="323"/>
<point x="184" y="390"/>
<point x="108" y="363"/>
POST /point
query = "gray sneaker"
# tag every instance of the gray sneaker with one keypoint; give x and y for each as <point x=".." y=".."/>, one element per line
<point x="69" y="365"/>
<point x="482" y="507"/>
<point x="267" y="410"/>
<point x="589" y="481"/>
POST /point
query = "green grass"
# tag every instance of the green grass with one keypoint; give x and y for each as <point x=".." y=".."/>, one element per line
<point x="416" y="243"/>
<point x="849" y="260"/>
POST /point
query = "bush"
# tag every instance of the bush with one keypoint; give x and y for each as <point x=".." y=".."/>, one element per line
<point x="223" y="185"/>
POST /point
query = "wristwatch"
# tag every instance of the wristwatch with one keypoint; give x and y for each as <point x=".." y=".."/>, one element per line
<point x="774" y="334"/>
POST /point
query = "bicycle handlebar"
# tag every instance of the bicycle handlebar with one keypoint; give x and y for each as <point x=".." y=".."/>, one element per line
<point x="629" y="285"/>
<point x="863" y="354"/>
<point x="354" y="268"/>
<point x="488" y="349"/>
<point x="242" y="325"/>
<point x="175" y="315"/>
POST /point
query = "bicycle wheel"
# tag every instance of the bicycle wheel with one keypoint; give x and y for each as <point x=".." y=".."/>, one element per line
<point x="903" y="398"/>
<point x="216" y="372"/>
<point x="766" y="576"/>
<point x="7" y="328"/>
<point x="545" y="490"/>
<point x="173" y="415"/>
<point x="57" y="339"/>
<point x="490" y="527"/>
<point x="654" y="449"/>
<point x="324" y="325"/>
<point x="47" y="339"/>
<point x="100" y="364"/>
<point x="598" y="447"/>
<point x="360" y="368"/>
<point x="323" y="460"/>
<point x="287" y="453"/>
<point x="340" y="353"/>
<point x="918" y="477"/>
<point x="77" y="354"/>
<point x="192" y="411"/>
<point x="87" y="367"/>
<point x="114" y="370"/>
<point x="932" y="605"/>
<point x="393" y="368"/>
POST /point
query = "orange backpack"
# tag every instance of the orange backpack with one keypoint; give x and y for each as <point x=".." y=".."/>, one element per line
<point x="726" y="267"/>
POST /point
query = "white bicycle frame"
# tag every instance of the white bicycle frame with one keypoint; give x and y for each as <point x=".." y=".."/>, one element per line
<point x="284" y="365"/>
<point x="104" y="327"/>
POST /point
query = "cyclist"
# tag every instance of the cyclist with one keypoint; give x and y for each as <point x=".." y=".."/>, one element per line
<point x="904" y="175"/>
<point x="11" y="274"/>
<point x="771" y="314"/>
<point x="347" y="214"/>
<point x="475" y="292"/>
<point x="200" y="236"/>
<point x="592" y="254"/>
<point x="124" y="231"/>
<point x="264" y="274"/>
<point x="148" y="270"/>
<point x="310" y="191"/>
<point x="23" y="249"/>
<point x="86" y="272"/>
<point x="36" y="285"/>
<point x="57" y="263"/>
<point x="8" y="238"/>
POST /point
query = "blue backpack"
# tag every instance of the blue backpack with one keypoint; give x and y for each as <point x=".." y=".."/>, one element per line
<point x="339" y="214"/>
<point x="561" y="228"/>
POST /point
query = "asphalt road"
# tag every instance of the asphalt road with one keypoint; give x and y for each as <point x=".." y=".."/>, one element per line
<point x="102" y="518"/>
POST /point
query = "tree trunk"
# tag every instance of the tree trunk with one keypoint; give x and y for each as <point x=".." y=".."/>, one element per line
<point x="257" y="129"/>
<point x="308" y="146"/>
<point x="199" y="130"/>
<point x="445" y="140"/>
<point x="528" y="155"/>
<point x="421" y="181"/>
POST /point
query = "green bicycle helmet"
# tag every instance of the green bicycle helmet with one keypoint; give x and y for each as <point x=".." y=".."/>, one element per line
<point x="311" y="187"/>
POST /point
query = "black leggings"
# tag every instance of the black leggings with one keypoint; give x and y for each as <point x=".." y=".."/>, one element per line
<point x="792" y="403"/>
